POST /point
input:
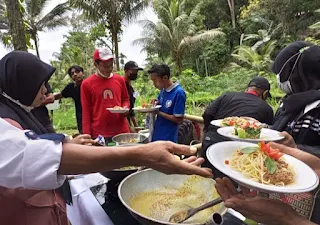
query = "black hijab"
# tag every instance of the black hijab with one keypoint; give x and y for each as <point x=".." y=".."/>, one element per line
<point x="304" y="66"/>
<point x="21" y="76"/>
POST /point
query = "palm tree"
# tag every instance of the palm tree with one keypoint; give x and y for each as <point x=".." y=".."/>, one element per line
<point x="36" y="21"/>
<point x="175" y="33"/>
<point x="122" y="57"/>
<point x="3" y="24"/>
<point x="113" y="13"/>
<point x="3" y="18"/>
<point x="252" y="58"/>
<point x="263" y="36"/>
<point x="232" y="13"/>
<point x="14" y="22"/>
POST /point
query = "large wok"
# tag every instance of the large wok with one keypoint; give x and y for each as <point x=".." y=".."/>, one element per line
<point x="126" y="138"/>
<point x="136" y="185"/>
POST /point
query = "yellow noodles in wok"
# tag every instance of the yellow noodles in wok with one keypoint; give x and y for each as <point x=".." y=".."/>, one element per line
<point x="161" y="203"/>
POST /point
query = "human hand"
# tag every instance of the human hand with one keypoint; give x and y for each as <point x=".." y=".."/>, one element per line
<point x="283" y="148"/>
<point x="154" y="102"/>
<point x="82" y="139"/>
<point x="125" y="114"/>
<point x="159" y="156"/>
<point x="288" y="140"/>
<point x="262" y="210"/>
<point x="49" y="99"/>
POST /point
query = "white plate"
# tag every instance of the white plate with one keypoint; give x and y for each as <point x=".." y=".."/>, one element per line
<point x="266" y="135"/>
<point x="218" y="123"/>
<point x="152" y="109"/>
<point x="305" y="178"/>
<point x="112" y="110"/>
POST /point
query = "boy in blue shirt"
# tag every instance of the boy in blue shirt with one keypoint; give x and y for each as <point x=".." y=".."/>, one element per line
<point x="172" y="98"/>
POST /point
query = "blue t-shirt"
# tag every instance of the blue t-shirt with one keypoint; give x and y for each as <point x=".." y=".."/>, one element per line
<point x="173" y="102"/>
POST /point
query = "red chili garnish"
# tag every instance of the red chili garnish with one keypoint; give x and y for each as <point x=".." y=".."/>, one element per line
<point x="226" y="162"/>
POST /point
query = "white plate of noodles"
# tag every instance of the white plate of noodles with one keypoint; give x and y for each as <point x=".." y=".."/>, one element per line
<point x="262" y="168"/>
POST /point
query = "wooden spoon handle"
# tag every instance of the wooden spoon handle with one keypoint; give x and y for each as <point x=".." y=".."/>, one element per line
<point x="209" y="204"/>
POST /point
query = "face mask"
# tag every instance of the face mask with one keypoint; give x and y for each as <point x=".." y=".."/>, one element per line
<point x="26" y="108"/>
<point x="133" y="76"/>
<point x="285" y="86"/>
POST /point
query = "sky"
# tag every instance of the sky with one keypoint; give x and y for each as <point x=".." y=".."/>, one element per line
<point x="50" y="42"/>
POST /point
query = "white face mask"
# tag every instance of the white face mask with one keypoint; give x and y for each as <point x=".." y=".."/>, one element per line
<point x="26" y="108"/>
<point x="285" y="86"/>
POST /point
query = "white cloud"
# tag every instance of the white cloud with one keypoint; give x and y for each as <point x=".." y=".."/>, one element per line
<point x="50" y="42"/>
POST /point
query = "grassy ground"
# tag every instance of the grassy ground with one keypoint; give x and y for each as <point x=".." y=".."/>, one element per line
<point x="64" y="119"/>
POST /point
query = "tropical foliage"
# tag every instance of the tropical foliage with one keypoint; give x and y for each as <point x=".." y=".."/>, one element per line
<point x="253" y="58"/>
<point x="112" y="13"/>
<point x="176" y="32"/>
<point x="36" y="20"/>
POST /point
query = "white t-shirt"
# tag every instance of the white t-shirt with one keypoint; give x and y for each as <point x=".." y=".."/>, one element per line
<point x="30" y="164"/>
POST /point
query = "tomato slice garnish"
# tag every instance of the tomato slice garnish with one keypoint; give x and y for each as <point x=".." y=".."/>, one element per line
<point x="273" y="154"/>
<point x="279" y="155"/>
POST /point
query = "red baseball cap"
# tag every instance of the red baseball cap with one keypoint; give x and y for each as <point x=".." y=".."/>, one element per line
<point x="102" y="54"/>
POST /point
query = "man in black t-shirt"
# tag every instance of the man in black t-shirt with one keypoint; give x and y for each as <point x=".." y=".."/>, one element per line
<point x="131" y="69"/>
<point x="251" y="103"/>
<point x="72" y="90"/>
<point x="42" y="113"/>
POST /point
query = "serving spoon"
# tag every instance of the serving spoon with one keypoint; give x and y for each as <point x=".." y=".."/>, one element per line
<point x="183" y="215"/>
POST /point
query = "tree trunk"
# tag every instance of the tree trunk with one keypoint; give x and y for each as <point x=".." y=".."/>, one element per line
<point x="16" y="25"/>
<point x="116" y="51"/>
<point x="179" y="64"/>
<point x="232" y="13"/>
<point x="36" y="43"/>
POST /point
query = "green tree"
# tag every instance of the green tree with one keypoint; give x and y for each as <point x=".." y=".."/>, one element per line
<point x="316" y="26"/>
<point x="4" y="28"/>
<point x="77" y="49"/>
<point x="176" y="32"/>
<point x="15" y="24"/>
<point x="35" y="20"/>
<point x="113" y="13"/>
<point x="263" y="36"/>
<point x="295" y="15"/>
<point x="254" y="59"/>
<point x="3" y="18"/>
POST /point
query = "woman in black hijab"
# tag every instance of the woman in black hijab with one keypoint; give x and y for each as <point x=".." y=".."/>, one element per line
<point x="298" y="72"/>
<point x="22" y="87"/>
<point x="22" y="78"/>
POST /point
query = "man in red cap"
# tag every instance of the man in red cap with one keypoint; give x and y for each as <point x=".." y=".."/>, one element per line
<point x="102" y="90"/>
